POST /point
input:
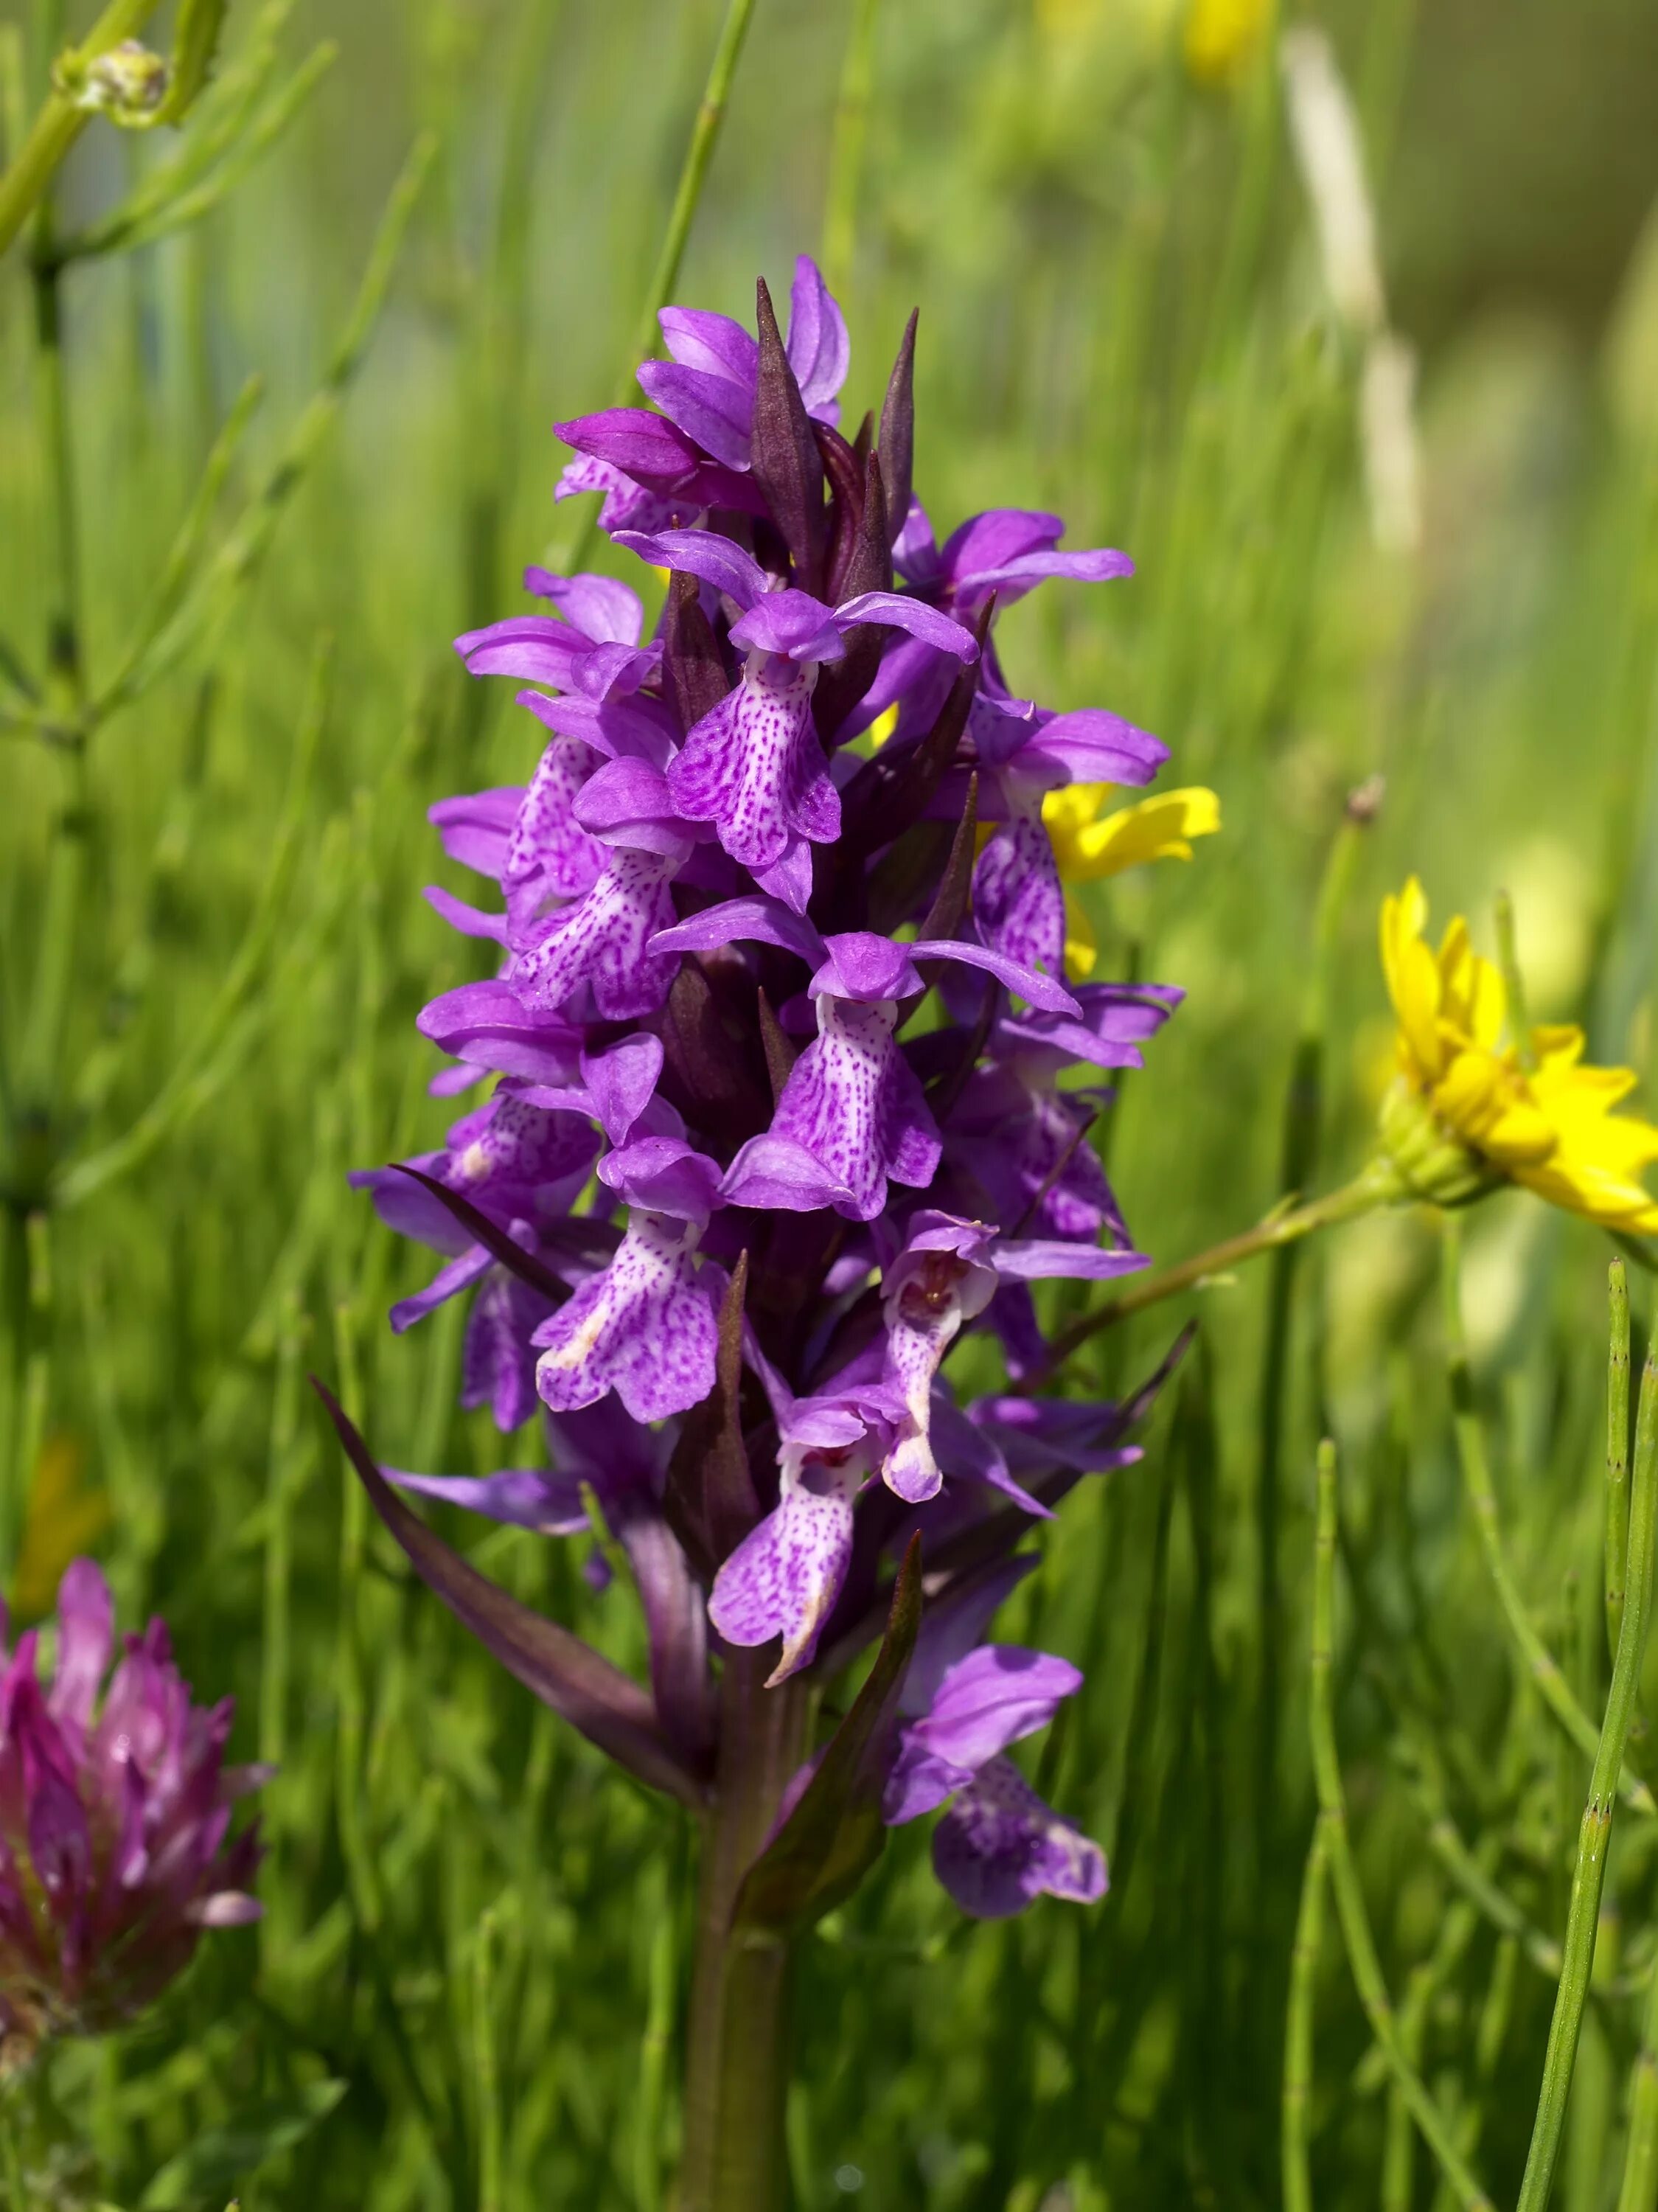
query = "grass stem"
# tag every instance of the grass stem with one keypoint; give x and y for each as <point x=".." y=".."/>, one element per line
<point x="1298" y="2031"/>
<point x="1350" y="1900"/>
<point x="1595" y="1834"/>
<point x="1534" y="1653"/>
<point x="1617" y="1500"/>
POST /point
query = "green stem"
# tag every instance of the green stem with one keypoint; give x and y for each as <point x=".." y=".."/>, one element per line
<point x="1595" y="1834"/>
<point x="846" y="145"/>
<point x="1617" y="1538"/>
<point x="1302" y="1115"/>
<point x="1350" y="1900"/>
<point x="1298" y="2031"/>
<point x="61" y="120"/>
<point x="1376" y="1186"/>
<point x="705" y="137"/>
<point x="1639" y="2192"/>
<point x="1533" y="1653"/>
<point x="737" y="2064"/>
<point x="486" y="2066"/>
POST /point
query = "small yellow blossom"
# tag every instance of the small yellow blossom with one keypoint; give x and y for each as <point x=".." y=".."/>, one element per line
<point x="63" y="1519"/>
<point x="1464" y="1113"/>
<point x="1221" y="36"/>
<point x="1089" y="842"/>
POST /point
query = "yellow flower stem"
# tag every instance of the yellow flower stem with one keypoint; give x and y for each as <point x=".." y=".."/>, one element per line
<point x="1533" y="1653"/>
<point x="1375" y="1187"/>
<point x="1616" y="1518"/>
<point x="1513" y="983"/>
<point x="1582" y="1918"/>
<point x="1436" y="2129"/>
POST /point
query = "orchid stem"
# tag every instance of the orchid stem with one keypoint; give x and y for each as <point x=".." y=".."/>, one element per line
<point x="737" y="2062"/>
<point x="1539" y="1662"/>
<point x="1595" y="1834"/>
<point x="1376" y="1186"/>
<point x="1436" y="2127"/>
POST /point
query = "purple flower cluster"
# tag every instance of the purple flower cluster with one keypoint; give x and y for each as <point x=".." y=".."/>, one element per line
<point x="776" y="1032"/>
<point x="115" y="1808"/>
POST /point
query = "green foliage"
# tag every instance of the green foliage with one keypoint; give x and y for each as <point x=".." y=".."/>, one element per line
<point x="226" y="697"/>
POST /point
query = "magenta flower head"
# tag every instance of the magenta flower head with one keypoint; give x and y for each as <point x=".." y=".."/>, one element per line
<point x="734" y="1202"/>
<point x="115" y="1810"/>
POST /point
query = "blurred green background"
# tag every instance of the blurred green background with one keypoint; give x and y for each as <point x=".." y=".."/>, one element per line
<point x="473" y="1931"/>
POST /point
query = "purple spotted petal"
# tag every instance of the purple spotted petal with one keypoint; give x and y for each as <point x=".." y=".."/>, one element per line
<point x="548" y="854"/>
<point x="785" y="1576"/>
<point x="469" y="920"/>
<point x="639" y="444"/>
<point x="665" y="1174"/>
<point x="852" y="1106"/>
<point x="762" y="921"/>
<point x="1018" y="902"/>
<point x="1042" y="990"/>
<point x="990" y="540"/>
<point x="999" y="1847"/>
<point x="644" y="1328"/>
<point x="486" y="1025"/>
<point x="599" y="944"/>
<point x="621" y="1079"/>
<point x="754" y="769"/>
<point x="954" y="1624"/>
<point x="498" y="1366"/>
<point x="792" y="624"/>
<point x="987" y="1700"/>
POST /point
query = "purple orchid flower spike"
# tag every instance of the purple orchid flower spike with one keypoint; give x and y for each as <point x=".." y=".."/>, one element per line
<point x="998" y="1847"/>
<point x="851" y="1114"/>
<point x="644" y="1328"/>
<point x="784" y="1578"/>
<point x="707" y="388"/>
<point x="944" y="1276"/>
<point x="115" y="1808"/>
<point x="755" y="767"/>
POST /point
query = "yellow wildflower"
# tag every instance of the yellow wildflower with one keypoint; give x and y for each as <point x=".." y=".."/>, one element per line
<point x="1089" y="842"/>
<point x="1222" y="37"/>
<point x="63" y="1519"/>
<point x="1464" y="1112"/>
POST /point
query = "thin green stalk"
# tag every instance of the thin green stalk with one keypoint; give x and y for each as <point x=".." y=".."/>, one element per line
<point x="1426" y="1981"/>
<point x="280" y="1485"/>
<point x="61" y="120"/>
<point x="362" y="1872"/>
<point x="36" y="1391"/>
<point x="654" y="2044"/>
<point x="705" y="137"/>
<point x="1298" y="2029"/>
<point x="1349" y="1899"/>
<point x="1377" y="1185"/>
<point x="1533" y="1653"/>
<point x="1593" y="1836"/>
<point x="1639" y="2192"/>
<point x="485" y="2065"/>
<point x="1617" y="1517"/>
<point x="846" y="145"/>
<point x="1303" y="1116"/>
<point x="736" y="2065"/>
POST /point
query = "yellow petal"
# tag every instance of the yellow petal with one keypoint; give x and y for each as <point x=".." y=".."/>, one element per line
<point x="1082" y="950"/>
<point x="883" y="726"/>
<point x="1155" y="829"/>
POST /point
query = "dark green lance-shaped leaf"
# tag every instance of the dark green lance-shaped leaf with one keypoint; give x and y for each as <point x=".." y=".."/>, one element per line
<point x="897" y="445"/>
<point x="841" y="683"/>
<point x="605" y="1705"/>
<point x="709" y="1498"/>
<point x="835" y="1832"/>
<point x="221" y="2158"/>
<point x="786" y="462"/>
<point x="693" y="670"/>
<point x="592" y="1241"/>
